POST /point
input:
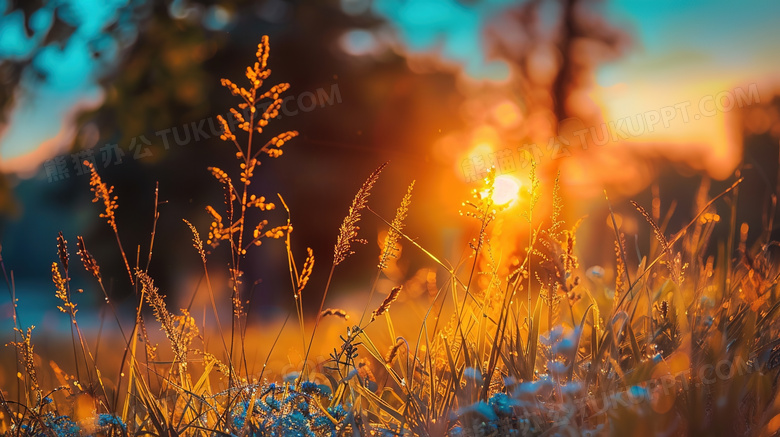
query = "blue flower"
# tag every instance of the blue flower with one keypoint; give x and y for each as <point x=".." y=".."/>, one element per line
<point x="502" y="404"/>
<point x="239" y="419"/>
<point x="110" y="422"/>
<point x="309" y="387"/>
<point x="338" y="412"/>
<point x="273" y="403"/>
<point x="61" y="426"/>
<point x="480" y="408"/>
<point x="294" y="424"/>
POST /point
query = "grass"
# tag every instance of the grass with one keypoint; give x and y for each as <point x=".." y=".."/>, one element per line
<point x="524" y="342"/>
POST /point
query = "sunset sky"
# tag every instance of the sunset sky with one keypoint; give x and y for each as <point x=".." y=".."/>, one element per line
<point x="681" y="52"/>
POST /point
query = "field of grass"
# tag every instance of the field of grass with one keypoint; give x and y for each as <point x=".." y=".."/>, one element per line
<point x="685" y="342"/>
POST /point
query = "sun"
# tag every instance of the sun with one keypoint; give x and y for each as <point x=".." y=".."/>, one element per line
<point x="506" y="190"/>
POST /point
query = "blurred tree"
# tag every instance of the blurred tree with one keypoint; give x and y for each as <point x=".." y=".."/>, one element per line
<point x="12" y="66"/>
<point x="554" y="48"/>
<point x="168" y="77"/>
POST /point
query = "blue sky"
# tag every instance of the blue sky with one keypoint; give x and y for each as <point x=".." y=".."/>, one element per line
<point x="448" y="26"/>
<point x="733" y="36"/>
<point x="45" y="109"/>
<point x="713" y="37"/>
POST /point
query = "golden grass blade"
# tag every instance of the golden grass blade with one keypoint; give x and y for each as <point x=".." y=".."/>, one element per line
<point x="620" y="243"/>
<point x="634" y="345"/>
<point x="422" y="249"/>
<point x="379" y="403"/>
<point x="693" y="221"/>
<point x="533" y="340"/>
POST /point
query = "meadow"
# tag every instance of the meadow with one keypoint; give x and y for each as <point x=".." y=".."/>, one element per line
<point x="518" y="339"/>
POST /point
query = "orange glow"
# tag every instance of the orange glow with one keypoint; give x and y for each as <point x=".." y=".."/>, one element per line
<point x="697" y="129"/>
<point x="506" y="190"/>
<point x="507" y="114"/>
<point x="481" y="149"/>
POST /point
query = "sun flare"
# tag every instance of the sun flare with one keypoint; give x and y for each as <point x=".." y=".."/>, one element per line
<point x="506" y="190"/>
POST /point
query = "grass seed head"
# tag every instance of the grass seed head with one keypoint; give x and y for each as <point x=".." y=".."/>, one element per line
<point x="349" y="227"/>
<point x="390" y="246"/>
<point x="334" y="312"/>
<point x="87" y="259"/>
<point x="105" y="194"/>
<point x="391" y="297"/>
<point x="62" y="251"/>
